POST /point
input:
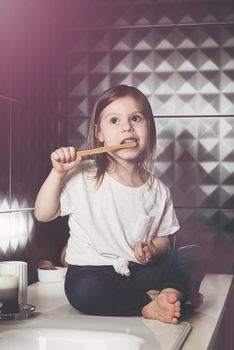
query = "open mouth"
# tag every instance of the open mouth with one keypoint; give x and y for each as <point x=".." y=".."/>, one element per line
<point x="129" y="140"/>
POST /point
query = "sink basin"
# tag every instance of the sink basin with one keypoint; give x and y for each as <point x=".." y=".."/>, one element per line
<point x="69" y="339"/>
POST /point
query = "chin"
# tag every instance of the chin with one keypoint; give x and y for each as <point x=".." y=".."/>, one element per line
<point x="129" y="159"/>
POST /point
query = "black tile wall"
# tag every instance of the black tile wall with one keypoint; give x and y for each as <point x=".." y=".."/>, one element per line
<point x="6" y="41"/>
<point x="49" y="239"/>
<point x="211" y="229"/>
<point x="5" y="82"/>
<point x="5" y="160"/>
<point x="5" y="252"/>
<point x="32" y="123"/>
<point x="35" y="134"/>
<point x="32" y="47"/>
<point x="32" y="241"/>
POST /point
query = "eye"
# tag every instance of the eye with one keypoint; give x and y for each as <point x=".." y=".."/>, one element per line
<point x="114" y="120"/>
<point x="136" y="118"/>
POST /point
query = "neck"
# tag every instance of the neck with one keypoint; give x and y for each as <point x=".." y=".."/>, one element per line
<point x="126" y="173"/>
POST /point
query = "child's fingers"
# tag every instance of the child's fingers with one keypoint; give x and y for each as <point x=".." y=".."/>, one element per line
<point x="58" y="155"/>
<point x="73" y="153"/>
<point x="78" y="160"/>
<point x="149" y="241"/>
<point x="139" y="253"/>
<point x="54" y="156"/>
<point x="64" y="159"/>
<point x="148" y="253"/>
<point x="64" y="154"/>
<point x="151" y="245"/>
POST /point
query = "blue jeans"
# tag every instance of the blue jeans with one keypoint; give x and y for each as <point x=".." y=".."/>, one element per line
<point x="99" y="290"/>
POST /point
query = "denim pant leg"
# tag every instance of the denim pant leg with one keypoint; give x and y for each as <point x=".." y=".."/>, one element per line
<point x="99" y="290"/>
<point x="183" y="269"/>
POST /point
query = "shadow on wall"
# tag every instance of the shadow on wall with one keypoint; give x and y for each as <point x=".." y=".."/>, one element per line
<point x="48" y="241"/>
<point x="218" y="247"/>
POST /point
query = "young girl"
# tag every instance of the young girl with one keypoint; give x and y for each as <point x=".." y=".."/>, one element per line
<point x="120" y="217"/>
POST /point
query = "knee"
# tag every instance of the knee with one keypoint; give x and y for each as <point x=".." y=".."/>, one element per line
<point x="83" y="295"/>
<point x="193" y="260"/>
<point x="77" y="293"/>
<point x="193" y="253"/>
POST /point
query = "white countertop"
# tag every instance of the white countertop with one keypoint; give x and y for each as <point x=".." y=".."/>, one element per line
<point x="206" y="320"/>
<point x="54" y="311"/>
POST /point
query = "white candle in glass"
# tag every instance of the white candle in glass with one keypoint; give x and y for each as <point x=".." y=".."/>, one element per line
<point x="9" y="286"/>
<point x="9" y="290"/>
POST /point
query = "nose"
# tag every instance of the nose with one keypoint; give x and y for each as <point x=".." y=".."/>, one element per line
<point x="127" y="127"/>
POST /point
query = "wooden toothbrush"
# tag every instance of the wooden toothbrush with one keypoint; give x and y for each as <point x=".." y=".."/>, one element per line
<point x="105" y="149"/>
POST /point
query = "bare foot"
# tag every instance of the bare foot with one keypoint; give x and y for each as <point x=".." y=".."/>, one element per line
<point x="165" y="308"/>
<point x="197" y="302"/>
<point x="153" y="293"/>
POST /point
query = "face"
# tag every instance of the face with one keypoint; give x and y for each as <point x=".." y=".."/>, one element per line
<point x="123" y="121"/>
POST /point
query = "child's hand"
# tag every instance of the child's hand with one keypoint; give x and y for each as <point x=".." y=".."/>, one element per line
<point x="146" y="252"/>
<point x="64" y="159"/>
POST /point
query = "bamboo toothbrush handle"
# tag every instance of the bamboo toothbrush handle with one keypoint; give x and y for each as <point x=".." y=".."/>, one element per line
<point x="105" y="149"/>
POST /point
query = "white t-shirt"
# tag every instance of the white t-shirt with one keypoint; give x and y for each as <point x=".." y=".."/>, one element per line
<point x="107" y="221"/>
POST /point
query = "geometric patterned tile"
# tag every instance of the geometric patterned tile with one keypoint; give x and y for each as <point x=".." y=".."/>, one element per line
<point x="191" y="159"/>
<point x="21" y="225"/>
<point x="145" y="13"/>
<point x="78" y="132"/>
<point x="183" y="71"/>
<point x="217" y="220"/>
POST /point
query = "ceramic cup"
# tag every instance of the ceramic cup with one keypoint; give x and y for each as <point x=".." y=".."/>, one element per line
<point x="19" y="269"/>
<point x="50" y="276"/>
<point x="9" y="293"/>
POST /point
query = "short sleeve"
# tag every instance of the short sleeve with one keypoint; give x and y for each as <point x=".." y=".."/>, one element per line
<point x="66" y="206"/>
<point x="169" y="223"/>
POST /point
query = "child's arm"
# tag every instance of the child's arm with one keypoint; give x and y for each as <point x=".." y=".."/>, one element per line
<point x="47" y="205"/>
<point x="148" y="252"/>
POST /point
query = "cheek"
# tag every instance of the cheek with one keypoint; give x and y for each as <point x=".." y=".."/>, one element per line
<point x="144" y="132"/>
<point x="105" y="135"/>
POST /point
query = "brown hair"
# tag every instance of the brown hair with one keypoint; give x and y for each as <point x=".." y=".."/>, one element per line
<point x="107" y="97"/>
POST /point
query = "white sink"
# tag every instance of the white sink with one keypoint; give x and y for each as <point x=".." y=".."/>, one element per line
<point x="67" y="339"/>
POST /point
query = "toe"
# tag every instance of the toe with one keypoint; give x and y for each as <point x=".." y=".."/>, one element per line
<point x="172" y="298"/>
<point x="175" y="320"/>
<point x="197" y="302"/>
<point x="153" y="294"/>
<point x="177" y="303"/>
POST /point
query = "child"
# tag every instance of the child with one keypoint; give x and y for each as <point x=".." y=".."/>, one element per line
<point x="120" y="217"/>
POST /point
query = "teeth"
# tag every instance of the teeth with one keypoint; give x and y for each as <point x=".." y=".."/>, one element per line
<point x="128" y="140"/>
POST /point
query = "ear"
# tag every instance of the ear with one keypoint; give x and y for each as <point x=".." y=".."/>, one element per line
<point x="98" y="133"/>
